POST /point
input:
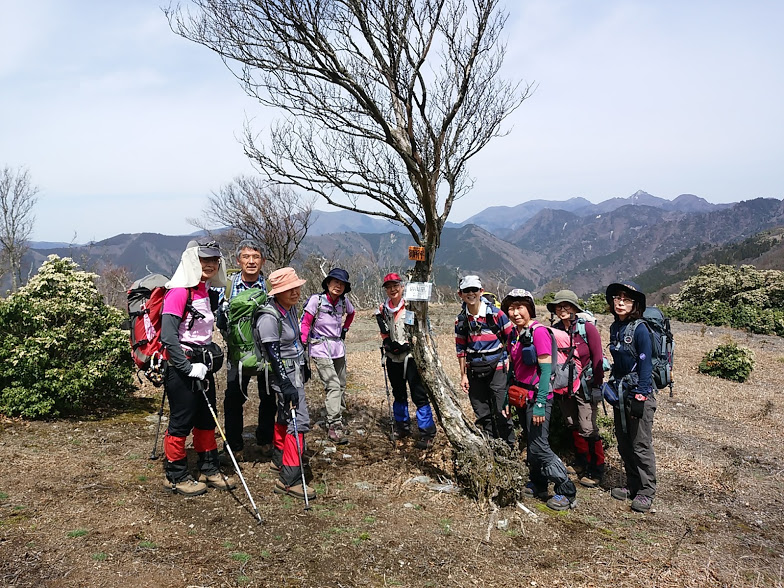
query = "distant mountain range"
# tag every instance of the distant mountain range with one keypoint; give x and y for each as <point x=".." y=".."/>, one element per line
<point x="541" y="245"/>
<point x="508" y="219"/>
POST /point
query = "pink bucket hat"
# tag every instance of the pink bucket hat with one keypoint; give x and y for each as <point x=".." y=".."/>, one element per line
<point x="284" y="279"/>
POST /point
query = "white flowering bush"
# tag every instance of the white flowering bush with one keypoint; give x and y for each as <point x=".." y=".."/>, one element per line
<point x="62" y="350"/>
<point x="742" y="297"/>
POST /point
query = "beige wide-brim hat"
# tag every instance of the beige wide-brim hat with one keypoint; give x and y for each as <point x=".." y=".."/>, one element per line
<point x="284" y="279"/>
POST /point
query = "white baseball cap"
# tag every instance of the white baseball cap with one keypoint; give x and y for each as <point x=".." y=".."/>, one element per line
<point x="470" y="282"/>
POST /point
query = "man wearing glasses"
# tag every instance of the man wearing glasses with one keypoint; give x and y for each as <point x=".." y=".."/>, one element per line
<point x="481" y="331"/>
<point x="401" y="367"/>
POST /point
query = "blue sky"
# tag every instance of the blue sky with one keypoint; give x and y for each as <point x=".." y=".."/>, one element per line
<point x="126" y="127"/>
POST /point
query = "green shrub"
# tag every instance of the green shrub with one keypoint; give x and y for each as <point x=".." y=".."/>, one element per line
<point x="728" y="361"/>
<point x="549" y="297"/>
<point x="62" y="350"/>
<point x="597" y="304"/>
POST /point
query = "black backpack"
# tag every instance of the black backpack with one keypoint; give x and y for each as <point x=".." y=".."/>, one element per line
<point x="662" y="344"/>
<point x="463" y="329"/>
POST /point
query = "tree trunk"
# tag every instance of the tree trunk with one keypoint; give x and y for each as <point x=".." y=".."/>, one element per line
<point x="485" y="469"/>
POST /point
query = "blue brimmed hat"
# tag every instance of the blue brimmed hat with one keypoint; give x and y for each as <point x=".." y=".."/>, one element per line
<point x="634" y="290"/>
<point x="337" y="274"/>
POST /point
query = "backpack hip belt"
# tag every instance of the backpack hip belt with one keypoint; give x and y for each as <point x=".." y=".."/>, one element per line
<point x="516" y="382"/>
<point x="324" y="339"/>
<point x="290" y="363"/>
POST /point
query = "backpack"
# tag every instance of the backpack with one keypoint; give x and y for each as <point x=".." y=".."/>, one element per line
<point x="581" y="318"/>
<point x="145" y="306"/>
<point x="463" y="329"/>
<point x="563" y="356"/>
<point x="662" y="344"/>
<point x="492" y="299"/>
<point x="244" y="309"/>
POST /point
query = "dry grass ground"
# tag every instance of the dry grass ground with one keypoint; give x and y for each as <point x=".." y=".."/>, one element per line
<point x="81" y="505"/>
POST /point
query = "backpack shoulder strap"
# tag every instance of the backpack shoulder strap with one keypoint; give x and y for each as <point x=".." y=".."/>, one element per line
<point x="318" y="307"/>
<point x="462" y="321"/>
<point x="627" y="336"/>
<point x="493" y="325"/>
<point x="189" y="308"/>
<point x="580" y="323"/>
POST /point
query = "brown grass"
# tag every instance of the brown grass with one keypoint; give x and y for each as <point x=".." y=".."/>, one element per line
<point x="717" y="519"/>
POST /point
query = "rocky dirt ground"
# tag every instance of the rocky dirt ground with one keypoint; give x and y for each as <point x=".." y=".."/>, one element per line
<point x="82" y="505"/>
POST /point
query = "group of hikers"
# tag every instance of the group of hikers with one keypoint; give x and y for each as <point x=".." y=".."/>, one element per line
<point x="508" y="361"/>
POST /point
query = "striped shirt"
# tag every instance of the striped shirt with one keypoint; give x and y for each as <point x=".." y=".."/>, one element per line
<point x="475" y="340"/>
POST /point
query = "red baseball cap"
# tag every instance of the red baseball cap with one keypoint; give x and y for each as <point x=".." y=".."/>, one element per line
<point x="392" y="277"/>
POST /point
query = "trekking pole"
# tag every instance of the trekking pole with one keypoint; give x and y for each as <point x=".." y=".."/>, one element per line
<point x="200" y="384"/>
<point x="299" y="451"/>
<point x="153" y="455"/>
<point x="389" y="402"/>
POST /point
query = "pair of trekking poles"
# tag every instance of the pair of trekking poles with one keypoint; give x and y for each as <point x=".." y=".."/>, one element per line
<point x="200" y="384"/>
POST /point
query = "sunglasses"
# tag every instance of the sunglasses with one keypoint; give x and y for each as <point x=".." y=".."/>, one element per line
<point x="469" y="290"/>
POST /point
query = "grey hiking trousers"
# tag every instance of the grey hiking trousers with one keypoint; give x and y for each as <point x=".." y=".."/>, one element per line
<point x="635" y="445"/>
<point x="332" y="373"/>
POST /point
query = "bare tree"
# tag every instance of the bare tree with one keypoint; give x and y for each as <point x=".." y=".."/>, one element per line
<point x="384" y="102"/>
<point x="113" y="283"/>
<point x="17" y="199"/>
<point x="267" y="212"/>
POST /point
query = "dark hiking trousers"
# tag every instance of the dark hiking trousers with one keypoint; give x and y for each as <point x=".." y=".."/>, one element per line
<point x="419" y="397"/>
<point x="543" y="465"/>
<point x="233" y="402"/>
<point x="187" y="408"/>
<point x="635" y="445"/>
<point x="487" y="396"/>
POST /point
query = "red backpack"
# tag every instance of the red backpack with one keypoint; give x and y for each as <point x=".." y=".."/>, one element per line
<point x="145" y="306"/>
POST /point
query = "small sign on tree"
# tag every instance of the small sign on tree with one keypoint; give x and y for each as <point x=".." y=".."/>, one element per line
<point x="416" y="253"/>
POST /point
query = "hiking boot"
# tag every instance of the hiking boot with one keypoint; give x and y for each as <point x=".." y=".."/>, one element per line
<point x="621" y="493"/>
<point x="532" y="491"/>
<point x="425" y="443"/>
<point x="642" y="503"/>
<point x="296" y="490"/>
<point x="225" y="459"/>
<point x="576" y="468"/>
<point x="217" y="480"/>
<point x="561" y="502"/>
<point x="273" y="467"/>
<point x="337" y="435"/>
<point x="590" y="480"/>
<point x="187" y="486"/>
<point x="401" y="431"/>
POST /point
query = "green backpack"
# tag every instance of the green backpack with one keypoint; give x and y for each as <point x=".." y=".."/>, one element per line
<point x="244" y="310"/>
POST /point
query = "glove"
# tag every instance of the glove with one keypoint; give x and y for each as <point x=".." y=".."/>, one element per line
<point x="308" y="373"/>
<point x="290" y="393"/>
<point x="637" y="406"/>
<point x="387" y="345"/>
<point x="402" y="348"/>
<point x="596" y="395"/>
<point x="198" y="371"/>
<point x="343" y="333"/>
